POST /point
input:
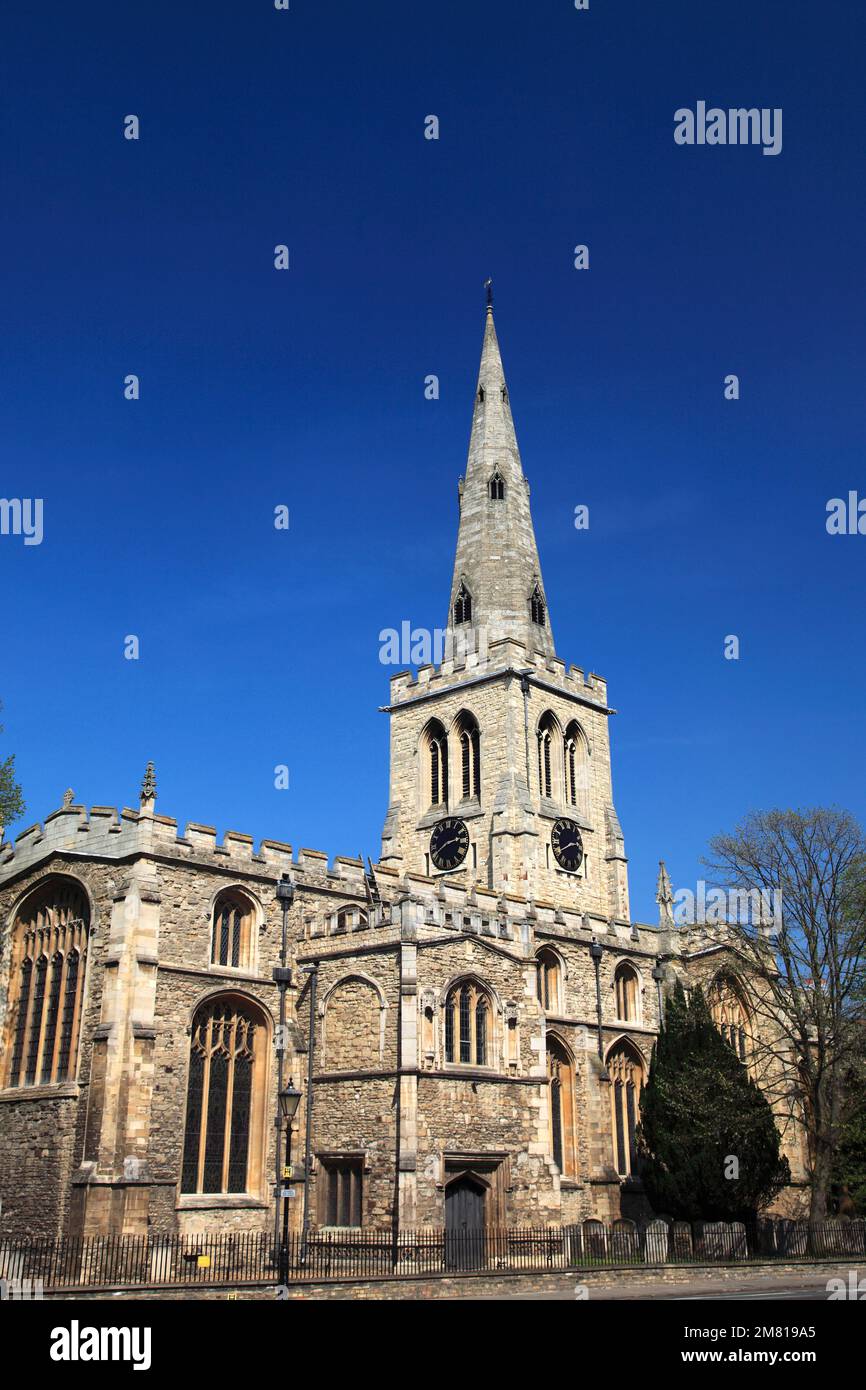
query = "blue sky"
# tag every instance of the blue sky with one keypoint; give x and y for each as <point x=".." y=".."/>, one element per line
<point x="707" y="516"/>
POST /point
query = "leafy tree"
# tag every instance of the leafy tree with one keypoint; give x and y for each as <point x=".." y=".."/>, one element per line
<point x="11" y="799"/>
<point x="806" y="966"/>
<point x="708" y="1143"/>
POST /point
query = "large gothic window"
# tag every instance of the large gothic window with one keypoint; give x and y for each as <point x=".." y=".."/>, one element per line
<point x="469" y="746"/>
<point x="625" y="983"/>
<point x="730" y="1015"/>
<point x="463" y="605"/>
<point x="560" y="1075"/>
<point x="231" y="935"/>
<point x="626" y="1072"/>
<point x="547" y="978"/>
<point x="537" y="606"/>
<point x="468" y="1021"/>
<point x="225" y="1093"/>
<point x="48" y="956"/>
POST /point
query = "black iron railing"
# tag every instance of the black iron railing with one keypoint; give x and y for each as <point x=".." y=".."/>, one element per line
<point x="239" y="1258"/>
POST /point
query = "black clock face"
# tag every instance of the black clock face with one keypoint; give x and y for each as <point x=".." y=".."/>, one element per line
<point x="567" y="845"/>
<point x="449" y="843"/>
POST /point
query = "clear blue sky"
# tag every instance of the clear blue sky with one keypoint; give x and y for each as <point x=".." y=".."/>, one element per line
<point x="260" y="647"/>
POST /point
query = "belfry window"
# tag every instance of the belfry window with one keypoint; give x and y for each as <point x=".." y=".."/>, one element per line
<point x="467" y="1025"/>
<point x="496" y="487"/>
<point x="537" y="606"/>
<point x="232" y="929"/>
<point x="549" y="756"/>
<point x="469" y="742"/>
<point x="224" y="1107"/>
<point x="463" y="605"/>
<point x="48" y="955"/>
<point x="434" y="746"/>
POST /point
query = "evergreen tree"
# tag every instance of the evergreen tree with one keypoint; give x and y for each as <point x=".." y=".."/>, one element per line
<point x="708" y="1142"/>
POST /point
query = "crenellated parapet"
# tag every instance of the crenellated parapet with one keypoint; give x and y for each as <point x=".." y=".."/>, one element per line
<point x="500" y="657"/>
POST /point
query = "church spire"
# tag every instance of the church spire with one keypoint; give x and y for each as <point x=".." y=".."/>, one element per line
<point x="497" y="585"/>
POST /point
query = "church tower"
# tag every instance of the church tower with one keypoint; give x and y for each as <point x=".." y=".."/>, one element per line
<point x="500" y="756"/>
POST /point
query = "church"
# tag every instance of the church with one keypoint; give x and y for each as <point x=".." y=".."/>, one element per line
<point x="470" y="1020"/>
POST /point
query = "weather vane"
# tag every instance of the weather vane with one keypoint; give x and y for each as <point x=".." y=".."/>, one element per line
<point x="488" y="285"/>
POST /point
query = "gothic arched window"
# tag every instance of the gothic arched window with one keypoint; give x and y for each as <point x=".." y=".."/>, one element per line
<point x="547" y="979"/>
<point x="549" y="756"/>
<point x="576" y="768"/>
<point x="468" y="1024"/>
<point x="537" y="606"/>
<point x="626" y="1072"/>
<point x="560" y="1074"/>
<point x="434" y="747"/>
<point x="225" y="1098"/>
<point x="730" y="1015"/>
<point x="625" y="983"/>
<point x="463" y="605"/>
<point x="231" y="935"/>
<point x="496" y="487"/>
<point x="469" y="743"/>
<point x="48" y="951"/>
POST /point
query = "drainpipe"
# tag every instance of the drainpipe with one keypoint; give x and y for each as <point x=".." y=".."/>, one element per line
<point x="596" y="950"/>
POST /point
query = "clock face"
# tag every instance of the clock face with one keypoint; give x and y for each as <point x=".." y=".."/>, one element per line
<point x="567" y="845"/>
<point x="449" y="843"/>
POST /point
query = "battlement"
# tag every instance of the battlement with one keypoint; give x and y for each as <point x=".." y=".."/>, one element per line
<point x="104" y="832"/>
<point x="500" y="656"/>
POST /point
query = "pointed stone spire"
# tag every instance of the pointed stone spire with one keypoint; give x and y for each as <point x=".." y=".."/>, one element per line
<point x="148" y="790"/>
<point x="665" y="897"/>
<point x="497" y="590"/>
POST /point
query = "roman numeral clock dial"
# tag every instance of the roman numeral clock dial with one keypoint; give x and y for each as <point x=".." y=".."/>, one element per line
<point x="567" y="845"/>
<point x="449" y="843"/>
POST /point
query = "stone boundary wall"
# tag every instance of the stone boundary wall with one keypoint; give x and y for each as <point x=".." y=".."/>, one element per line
<point x="456" y="1286"/>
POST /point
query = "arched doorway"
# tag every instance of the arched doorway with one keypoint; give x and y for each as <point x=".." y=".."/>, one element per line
<point x="465" y="1220"/>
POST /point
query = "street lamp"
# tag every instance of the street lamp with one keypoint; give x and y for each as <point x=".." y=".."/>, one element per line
<point x="290" y="1099"/>
<point x="596" y="952"/>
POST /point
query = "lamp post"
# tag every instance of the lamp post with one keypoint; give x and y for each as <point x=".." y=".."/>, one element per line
<point x="596" y="951"/>
<point x="658" y="976"/>
<point x="282" y="976"/>
<point x="289" y="1101"/>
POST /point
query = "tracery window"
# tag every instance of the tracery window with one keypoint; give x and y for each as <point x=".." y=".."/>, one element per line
<point x="730" y="1015"/>
<point x="463" y="605"/>
<point x="496" y="487"/>
<point x="576" y="772"/>
<point x="224" y="1107"/>
<point x="547" y="977"/>
<point x="468" y="1025"/>
<point x="537" y="606"/>
<point x="625" y="983"/>
<point x="560" y="1073"/>
<point x="48" y="957"/>
<point x="231" y="937"/>
<point x="627" y="1075"/>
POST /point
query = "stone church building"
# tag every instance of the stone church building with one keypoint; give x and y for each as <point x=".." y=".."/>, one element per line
<point x="485" y="1007"/>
